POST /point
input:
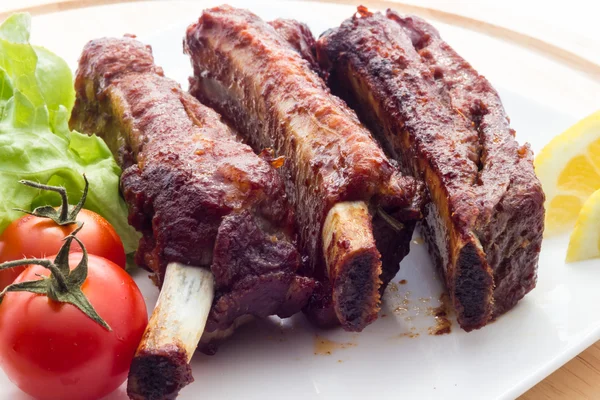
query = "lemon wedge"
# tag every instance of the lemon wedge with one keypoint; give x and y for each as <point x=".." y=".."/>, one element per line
<point x="569" y="169"/>
<point x="585" y="239"/>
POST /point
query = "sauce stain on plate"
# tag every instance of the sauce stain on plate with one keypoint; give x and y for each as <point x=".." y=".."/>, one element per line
<point x="418" y="240"/>
<point x="443" y="325"/>
<point x="410" y="334"/>
<point x="325" y="347"/>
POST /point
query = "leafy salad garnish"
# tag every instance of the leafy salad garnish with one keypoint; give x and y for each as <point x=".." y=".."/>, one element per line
<point x="36" y="98"/>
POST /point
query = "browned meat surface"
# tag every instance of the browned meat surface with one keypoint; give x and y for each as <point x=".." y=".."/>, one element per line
<point x="257" y="80"/>
<point x="198" y="196"/>
<point x="299" y="36"/>
<point x="445" y="123"/>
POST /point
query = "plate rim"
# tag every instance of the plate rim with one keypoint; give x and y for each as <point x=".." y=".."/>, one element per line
<point x="519" y="387"/>
<point x="561" y="55"/>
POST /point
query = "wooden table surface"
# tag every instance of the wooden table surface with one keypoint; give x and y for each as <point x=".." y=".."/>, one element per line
<point x="580" y="377"/>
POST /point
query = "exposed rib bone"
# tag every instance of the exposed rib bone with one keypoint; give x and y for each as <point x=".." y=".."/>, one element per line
<point x="161" y="363"/>
<point x="353" y="263"/>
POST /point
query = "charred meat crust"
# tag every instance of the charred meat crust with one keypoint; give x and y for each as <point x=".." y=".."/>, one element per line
<point x="259" y="82"/>
<point x="444" y="122"/>
<point x="159" y="375"/>
<point x="471" y="285"/>
<point x="356" y="285"/>
<point x="198" y="196"/>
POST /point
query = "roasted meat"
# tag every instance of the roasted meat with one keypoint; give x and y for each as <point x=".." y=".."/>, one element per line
<point x="299" y="36"/>
<point x="199" y="197"/>
<point x="446" y="124"/>
<point x="354" y="209"/>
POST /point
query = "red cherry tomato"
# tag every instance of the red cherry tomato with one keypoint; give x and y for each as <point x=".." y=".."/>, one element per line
<point x="37" y="237"/>
<point x="53" y="351"/>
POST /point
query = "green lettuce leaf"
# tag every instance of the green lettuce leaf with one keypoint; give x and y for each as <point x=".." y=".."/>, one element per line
<point x="36" y="98"/>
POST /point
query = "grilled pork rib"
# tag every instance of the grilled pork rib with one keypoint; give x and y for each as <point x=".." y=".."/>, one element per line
<point x="340" y="182"/>
<point x="445" y="123"/>
<point x="198" y="196"/>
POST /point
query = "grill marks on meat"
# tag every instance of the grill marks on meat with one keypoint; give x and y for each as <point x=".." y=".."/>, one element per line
<point x="257" y="80"/>
<point x="443" y="121"/>
<point x="198" y="196"/>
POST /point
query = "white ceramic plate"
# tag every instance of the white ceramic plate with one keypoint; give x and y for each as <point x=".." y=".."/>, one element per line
<point x="395" y="357"/>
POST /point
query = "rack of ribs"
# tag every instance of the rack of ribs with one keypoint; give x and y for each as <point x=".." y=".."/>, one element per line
<point x="217" y="230"/>
<point x="445" y="123"/>
<point x="355" y="212"/>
